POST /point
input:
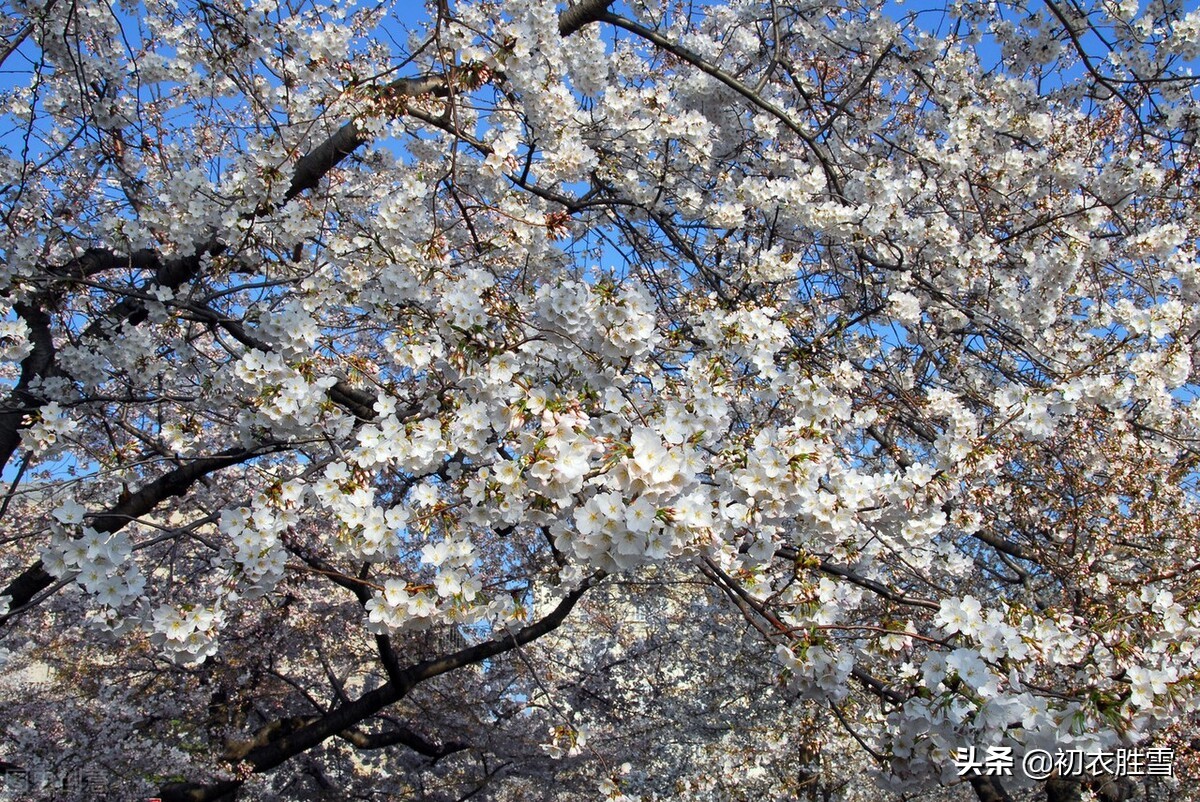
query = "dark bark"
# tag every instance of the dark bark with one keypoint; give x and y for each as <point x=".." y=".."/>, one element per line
<point x="34" y="579"/>
<point x="404" y="736"/>
<point x="99" y="260"/>
<point x="581" y="15"/>
<point x="989" y="789"/>
<point x="342" y="720"/>
<point x="35" y="367"/>
<point x="1063" y="790"/>
<point x="173" y="483"/>
<point x="1106" y="789"/>
<point x="317" y="163"/>
<point x="40" y="363"/>
<point x="172" y="274"/>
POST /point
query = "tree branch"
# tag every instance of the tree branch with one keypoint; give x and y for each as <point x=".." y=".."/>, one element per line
<point x="581" y="15"/>
<point x="755" y="98"/>
<point x="37" y="365"/>
<point x="405" y="737"/>
<point x="317" y="163"/>
<point x="988" y="789"/>
<point x="342" y="719"/>
<point x="35" y="578"/>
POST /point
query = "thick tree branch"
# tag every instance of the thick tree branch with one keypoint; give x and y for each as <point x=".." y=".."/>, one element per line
<point x="345" y="717"/>
<point x="1002" y="545"/>
<point x="99" y="260"/>
<point x="320" y="160"/>
<point x="351" y="136"/>
<point x="876" y="587"/>
<point x="581" y="15"/>
<point x="403" y="736"/>
<point x="307" y="174"/>
<point x="40" y="363"/>
<point x="171" y="274"/>
<point x="36" y="366"/>
<point x="358" y="402"/>
<point x="428" y="669"/>
<point x="129" y="507"/>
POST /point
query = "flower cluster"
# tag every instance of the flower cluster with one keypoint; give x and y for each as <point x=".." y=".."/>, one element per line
<point x="47" y="429"/>
<point x="187" y="634"/>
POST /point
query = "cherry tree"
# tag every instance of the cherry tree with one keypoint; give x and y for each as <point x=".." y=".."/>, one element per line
<point x="637" y="400"/>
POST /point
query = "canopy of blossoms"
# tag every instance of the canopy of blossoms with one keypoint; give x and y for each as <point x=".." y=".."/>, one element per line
<point x="616" y="399"/>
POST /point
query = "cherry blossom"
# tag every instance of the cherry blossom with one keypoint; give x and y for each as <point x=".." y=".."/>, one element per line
<point x="536" y="400"/>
